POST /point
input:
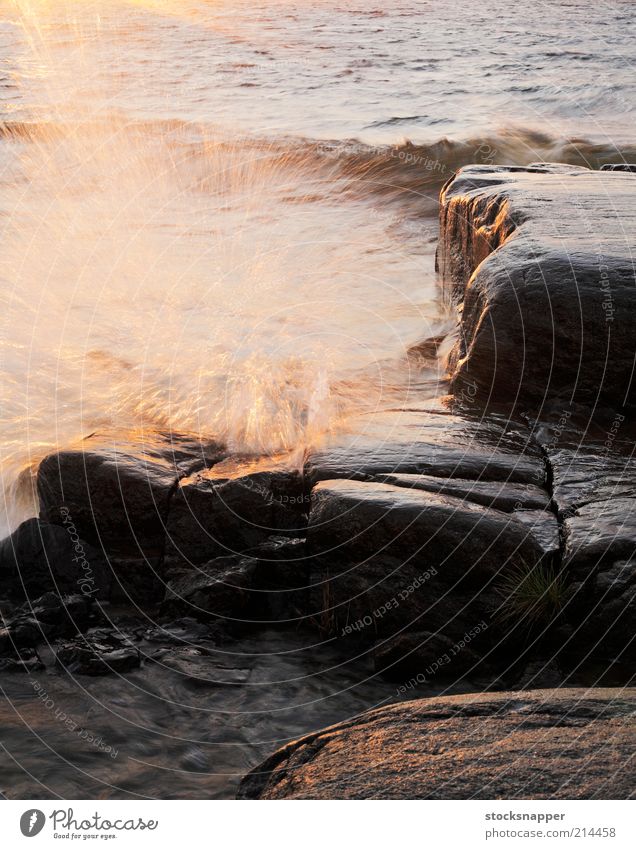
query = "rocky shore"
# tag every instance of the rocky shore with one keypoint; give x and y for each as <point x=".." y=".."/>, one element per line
<point x="488" y="536"/>
<point x="542" y="744"/>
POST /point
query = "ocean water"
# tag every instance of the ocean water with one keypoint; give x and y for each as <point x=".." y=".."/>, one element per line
<point x="221" y="217"/>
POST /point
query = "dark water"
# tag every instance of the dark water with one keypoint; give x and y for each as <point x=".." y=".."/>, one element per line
<point x="187" y="725"/>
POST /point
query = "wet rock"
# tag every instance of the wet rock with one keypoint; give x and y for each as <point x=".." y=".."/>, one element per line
<point x="485" y="448"/>
<point x="200" y="670"/>
<point x="464" y="747"/>
<point x="424" y="528"/>
<point x="501" y="495"/>
<point x="282" y="578"/>
<point x="99" y="652"/>
<point x="40" y="556"/>
<point x="137" y="581"/>
<point x="541" y="261"/>
<point x="594" y="491"/>
<point x="220" y="588"/>
<point x="26" y="660"/>
<point x="541" y="675"/>
<point x="114" y="490"/>
<point x="428" y="656"/>
<point x="233" y="507"/>
<point x="43" y="619"/>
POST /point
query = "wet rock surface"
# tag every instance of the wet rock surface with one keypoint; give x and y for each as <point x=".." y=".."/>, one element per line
<point x="234" y="506"/>
<point x="40" y="556"/>
<point x="114" y="489"/>
<point x="550" y="744"/>
<point x="594" y="492"/>
<point x="218" y="589"/>
<point x="488" y="448"/>
<point x="541" y="260"/>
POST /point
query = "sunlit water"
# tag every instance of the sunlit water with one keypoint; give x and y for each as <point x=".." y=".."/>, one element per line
<point x="220" y="217"/>
<point x="210" y="218"/>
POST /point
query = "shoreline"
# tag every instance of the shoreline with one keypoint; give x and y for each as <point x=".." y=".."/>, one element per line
<point x="420" y="524"/>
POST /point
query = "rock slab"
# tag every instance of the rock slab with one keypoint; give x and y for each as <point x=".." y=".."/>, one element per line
<point x="539" y="744"/>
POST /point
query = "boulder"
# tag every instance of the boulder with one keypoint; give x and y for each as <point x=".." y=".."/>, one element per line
<point x="114" y="488"/>
<point x="233" y="507"/>
<point x="39" y="557"/>
<point x="541" y="744"/>
<point x="354" y="519"/>
<point x="540" y="260"/>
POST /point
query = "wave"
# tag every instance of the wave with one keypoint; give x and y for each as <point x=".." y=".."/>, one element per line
<point x="407" y="173"/>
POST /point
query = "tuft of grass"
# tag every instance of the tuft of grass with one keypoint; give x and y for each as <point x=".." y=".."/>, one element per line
<point x="532" y="594"/>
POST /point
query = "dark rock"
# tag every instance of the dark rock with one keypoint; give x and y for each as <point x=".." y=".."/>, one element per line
<point x="541" y="675"/>
<point x="545" y="744"/>
<point x="424" y="528"/>
<point x="282" y="577"/>
<point x="593" y="475"/>
<point x="114" y="490"/>
<point x="39" y="556"/>
<point x="428" y="656"/>
<point x="27" y="660"/>
<point x="137" y="581"/>
<point x="541" y="260"/>
<point x="220" y="588"/>
<point x="485" y="448"/>
<point x="200" y="670"/>
<point x="233" y="507"/>
<point x="43" y="619"/>
<point x="501" y="495"/>
<point x="99" y="652"/>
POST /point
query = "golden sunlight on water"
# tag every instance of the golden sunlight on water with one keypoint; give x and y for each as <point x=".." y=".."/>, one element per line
<point x="168" y="274"/>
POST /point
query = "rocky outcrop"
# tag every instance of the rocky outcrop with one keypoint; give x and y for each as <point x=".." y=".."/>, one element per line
<point x="218" y="589"/>
<point x="234" y="506"/>
<point x="40" y="557"/>
<point x="540" y="259"/>
<point x="593" y="474"/>
<point x="426" y="518"/>
<point x="464" y="747"/>
<point x="114" y="488"/>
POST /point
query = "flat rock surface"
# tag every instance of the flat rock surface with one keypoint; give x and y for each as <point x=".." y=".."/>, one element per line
<point x="538" y="744"/>
<point x="541" y="260"/>
<point x="367" y="517"/>
<point x="490" y="448"/>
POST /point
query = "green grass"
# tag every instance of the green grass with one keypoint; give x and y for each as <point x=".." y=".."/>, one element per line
<point x="532" y="594"/>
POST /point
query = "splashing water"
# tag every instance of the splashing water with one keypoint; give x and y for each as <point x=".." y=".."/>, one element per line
<point x="167" y="274"/>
